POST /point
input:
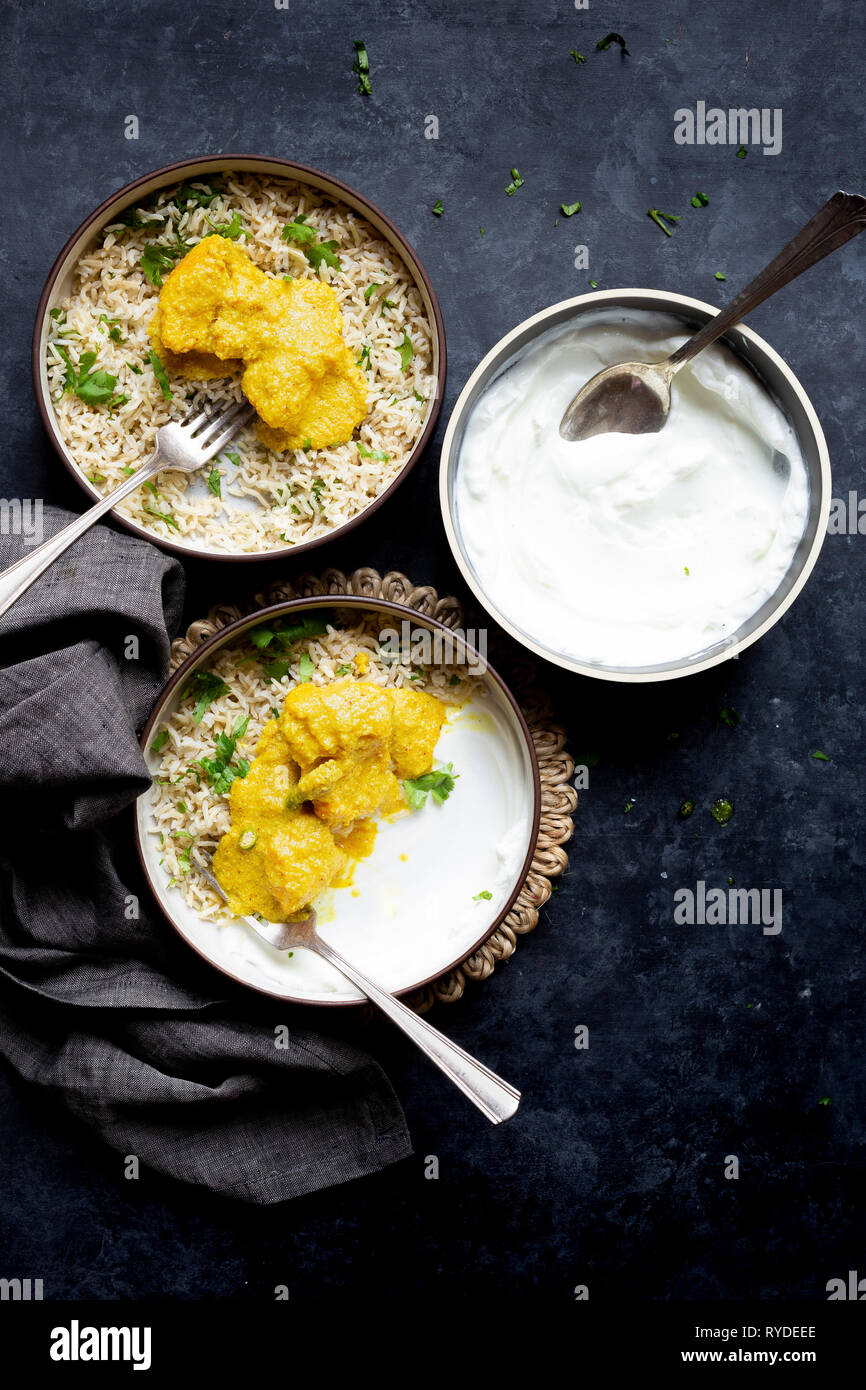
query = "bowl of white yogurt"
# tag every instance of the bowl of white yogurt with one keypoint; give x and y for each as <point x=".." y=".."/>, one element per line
<point x="634" y="557"/>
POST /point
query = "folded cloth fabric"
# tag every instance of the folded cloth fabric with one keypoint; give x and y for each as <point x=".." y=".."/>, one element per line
<point x="99" y="1001"/>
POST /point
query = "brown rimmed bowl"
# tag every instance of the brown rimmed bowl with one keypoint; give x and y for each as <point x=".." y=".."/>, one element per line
<point x="60" y="276"/>
<point x="405" y="920"/>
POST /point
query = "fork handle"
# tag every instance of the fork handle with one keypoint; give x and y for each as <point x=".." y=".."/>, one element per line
<point x="494" y="1097"/>
<point x="843" y="216"/>
<point x="17" y="579"/>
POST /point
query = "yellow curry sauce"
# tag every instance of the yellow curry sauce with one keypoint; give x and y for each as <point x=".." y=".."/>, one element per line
<point x="303" y="815"/>
<point x="218" y="314"/>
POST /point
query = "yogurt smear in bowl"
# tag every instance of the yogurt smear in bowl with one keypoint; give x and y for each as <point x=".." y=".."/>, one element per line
<point x="629" y="550"/>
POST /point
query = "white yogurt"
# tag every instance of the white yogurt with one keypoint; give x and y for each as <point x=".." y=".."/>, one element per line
<point x="629" y="550"/>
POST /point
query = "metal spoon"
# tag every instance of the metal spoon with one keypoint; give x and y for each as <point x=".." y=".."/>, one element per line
<point x="635" y="397"/>
<point x="494" y="1097"/>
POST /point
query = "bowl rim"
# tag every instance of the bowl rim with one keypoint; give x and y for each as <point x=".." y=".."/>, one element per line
<point x="361" y="602"/>
<point x="291" y="169"/>
<point x="662" y="300"/>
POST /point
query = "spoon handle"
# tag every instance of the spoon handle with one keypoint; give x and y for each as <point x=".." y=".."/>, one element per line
<point x="841" y="217"/>
<point x="494" y="1097"/>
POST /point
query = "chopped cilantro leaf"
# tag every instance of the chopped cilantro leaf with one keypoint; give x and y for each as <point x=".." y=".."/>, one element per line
<point x="306" y="667"/>
<point x="700" y="200"/>
<point x="729" y="716"/>
<point x="230" y="230"/>
<point x="516" y="182"/>
<point x="578" y="57"/>
<point x="440" y="783"/>
<point x="822" y="757"/>
<point x="376" y="285"/>
<point x="485" y="894"/>
<point x="160" y="741"/>
<point x="406" y="351"/>
<point x="569" y="209"/>
<point x="156" y="259"/>
<point x="160" y="374"/>
<point x="299" y="232"/>
<point x="220" y="771"/>
<point x="205" y="687"/>
<point x="376" y="454"/>
<point x="161" y="516"/>
<point x="720" y="276"/>
<point x="742" y="152"/>
<point x="214" y="482"/>
<point x="438" y="209"/>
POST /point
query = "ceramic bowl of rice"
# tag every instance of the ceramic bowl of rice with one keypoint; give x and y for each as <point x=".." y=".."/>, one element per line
<point x="101" y="295"/>
<point x="441" y="876"/>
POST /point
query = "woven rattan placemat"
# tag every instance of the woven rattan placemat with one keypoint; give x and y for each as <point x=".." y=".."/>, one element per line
<point x="558" y="797"/>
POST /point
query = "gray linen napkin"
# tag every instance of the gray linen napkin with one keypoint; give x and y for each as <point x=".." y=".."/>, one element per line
<point x="110" y="1011"/>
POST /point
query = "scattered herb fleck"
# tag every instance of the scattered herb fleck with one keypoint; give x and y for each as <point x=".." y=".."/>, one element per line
<point x="593" y="284"/>
<point x="361" y="67"/>
<point x="160" y="741"/>
<point x="742" y="152"/>
<point x="629" y="805"/>
<point x="729" y="716"/>
<point x="686" y="808"/>
<point x="608" y="39"/>
<point x="722" y="810"/>
<point x="578" y="57"/>
<point x="214" y="482"/>
<point x="376" y="454"/>
<point x="438" y="209"/>
<point x="656" y="214"/>
<point x="569" y="209"/>
<point x="516" y="182"/>
<point x="700" y="200"/>
<point x="720" y="276"/>
<point x="485" y="894"/>
<point x="822" y="757"/>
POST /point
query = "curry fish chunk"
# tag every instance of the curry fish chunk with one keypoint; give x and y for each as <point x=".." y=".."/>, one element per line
<point x="341" y="749"/>
<point x="417" y="724"/>
<point x="347" y="719"/>
<point x="216" y="306"/>
<point x="300" y="859"/>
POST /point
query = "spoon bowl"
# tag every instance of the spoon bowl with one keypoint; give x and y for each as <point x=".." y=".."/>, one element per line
<point x="629" y="398"/>
<point x="635" y="397"/>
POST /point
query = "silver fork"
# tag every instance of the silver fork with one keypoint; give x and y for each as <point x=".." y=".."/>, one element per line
<point x="494" y="1097"/>
<point x="181" y="446"/>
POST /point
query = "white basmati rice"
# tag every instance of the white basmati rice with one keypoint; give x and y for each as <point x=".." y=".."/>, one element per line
<point x="269" y="500"/>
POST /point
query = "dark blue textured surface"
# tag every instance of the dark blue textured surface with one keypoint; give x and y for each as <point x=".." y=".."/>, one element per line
<point x="705" y="1041"/>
